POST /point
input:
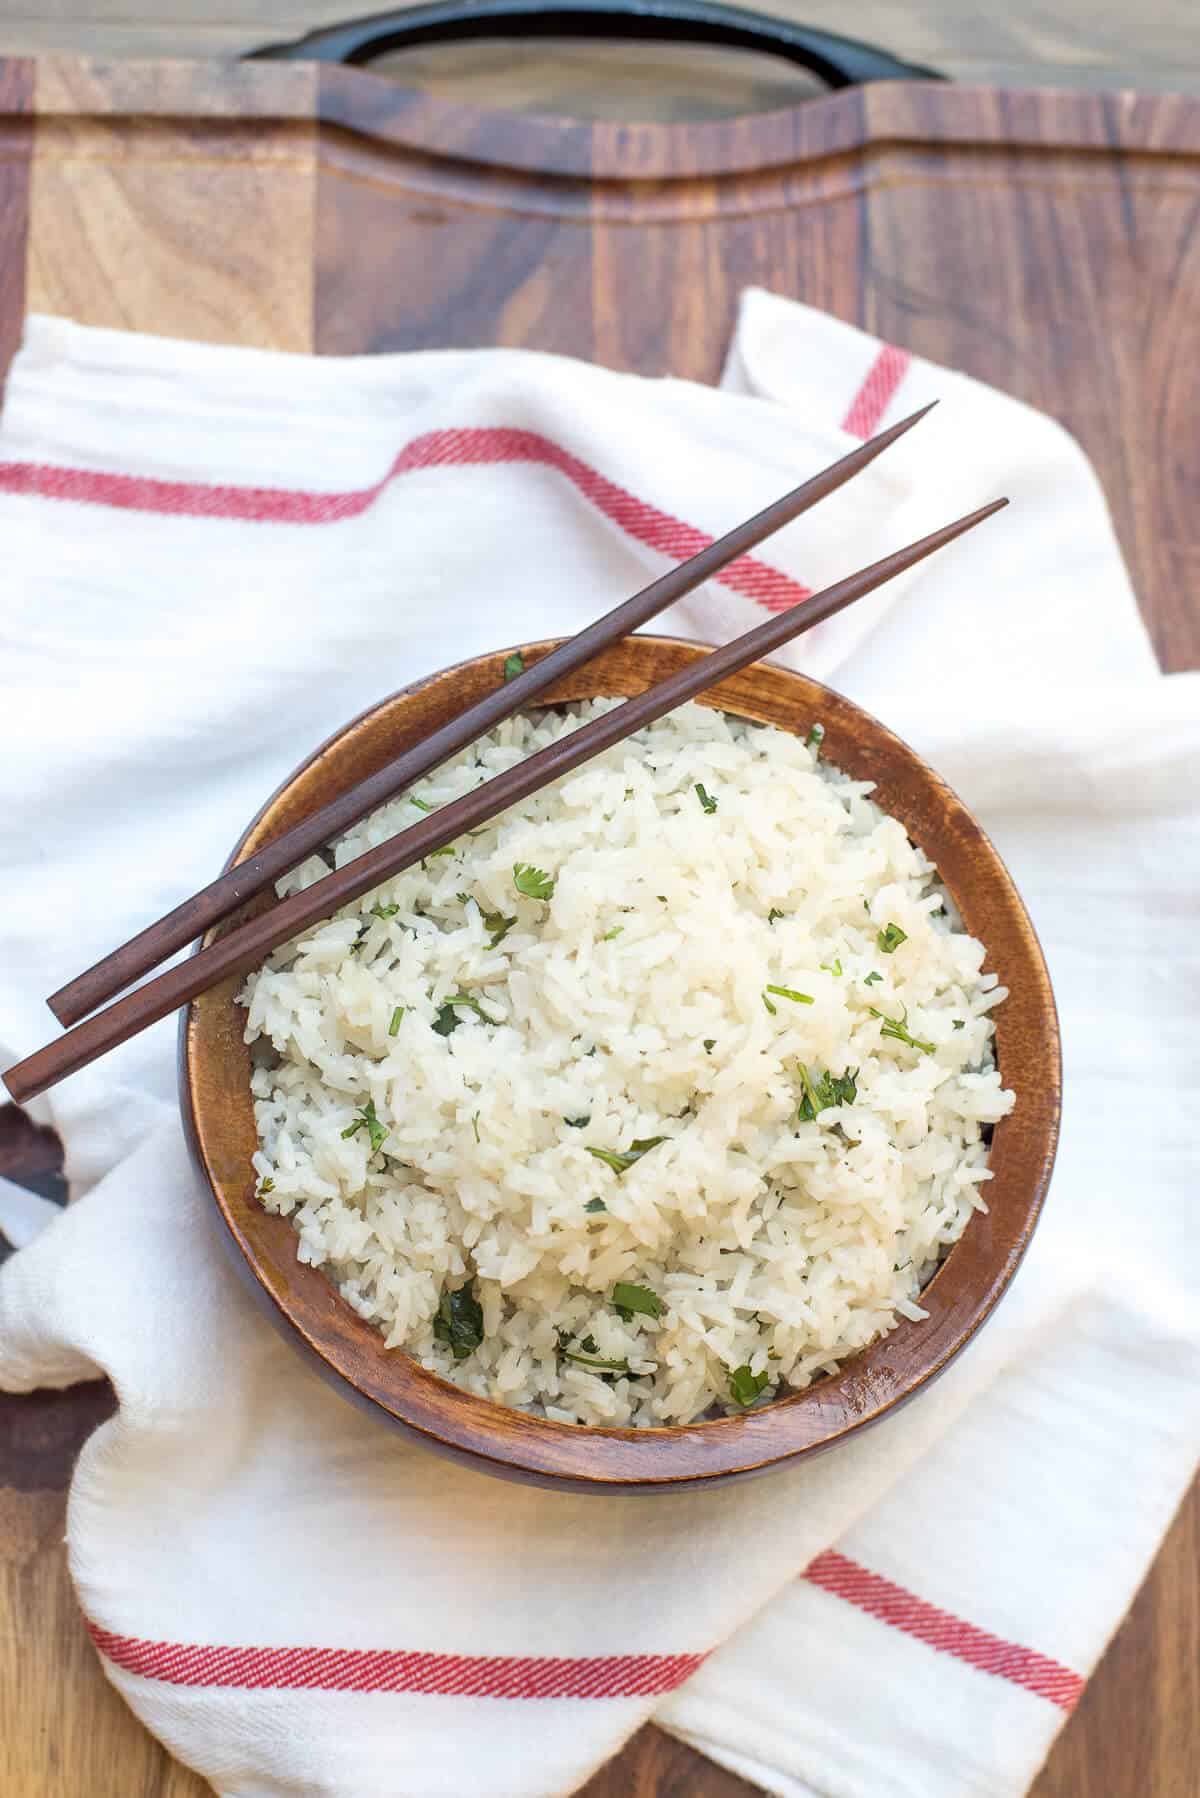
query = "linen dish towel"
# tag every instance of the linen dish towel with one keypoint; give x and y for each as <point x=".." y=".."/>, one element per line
<point x="213" y="558"/>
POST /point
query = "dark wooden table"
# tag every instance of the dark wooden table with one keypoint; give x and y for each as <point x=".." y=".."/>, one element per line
<point x="1044" y="242"/>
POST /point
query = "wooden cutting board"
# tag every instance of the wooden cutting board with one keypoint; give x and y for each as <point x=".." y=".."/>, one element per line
<point x="1045" y="242"/>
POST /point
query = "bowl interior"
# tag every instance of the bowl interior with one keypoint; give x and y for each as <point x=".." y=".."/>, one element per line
<point x="215" y="1092"/>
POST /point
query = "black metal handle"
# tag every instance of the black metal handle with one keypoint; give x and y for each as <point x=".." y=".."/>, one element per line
<point x="839" y="61"/>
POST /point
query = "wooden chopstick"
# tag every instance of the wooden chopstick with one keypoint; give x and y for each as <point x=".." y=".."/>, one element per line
<point x="246" y="947"/>
<point x="231" y="889"/>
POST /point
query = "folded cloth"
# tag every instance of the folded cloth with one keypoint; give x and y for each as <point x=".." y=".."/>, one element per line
<point x="214" y="557"/>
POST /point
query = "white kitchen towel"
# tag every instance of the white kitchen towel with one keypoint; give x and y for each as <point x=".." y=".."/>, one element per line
<point x="213" y="558"/>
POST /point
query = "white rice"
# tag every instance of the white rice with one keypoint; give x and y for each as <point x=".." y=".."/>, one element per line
<point x="772" y="1244"/>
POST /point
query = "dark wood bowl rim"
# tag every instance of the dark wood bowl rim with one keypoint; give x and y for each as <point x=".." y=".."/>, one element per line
<point x="962" y="1294"/>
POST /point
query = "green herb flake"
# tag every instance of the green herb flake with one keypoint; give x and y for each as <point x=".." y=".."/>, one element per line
<point x="497" y="925"/>
<point x="831" y="967"/>
<point x="815" y="738"/>
<point x="447" y="1020"/>
<point x="746" y="1386"/>
<point x="890" y="938"/>
<point x="873" y="978"/>
<point x="710" y="1043"/>
<point x="600" y="1366"/>
<point x="595" y="1205"/>
<point x="620" y="1161"/>
<point x="823" y="1091"/>
<point x="446" y="849"/>
<point x="422" y="805"/>
<point x="577" y="1123"/>
<point x="384" y="911"/>
<point x="397" y="1015"/>
<point x="514" y="665"/>
<point x="897" y="1028"/>
<point x="773" y="914"/>
<point x="610" y="934"/>
<point x="265" y="1186"/>
<point x="459" y="1321"/>
<point x="708" y="803"/>
<point x="786" y="992"/>
<point x="630" y="1301"/>
<point x="533" y="882"/>
<point x="367" y="1120"/>
<point x="357" y="944"/>
<point x="959" y="1024"/>
<point x="475" y="1126"/>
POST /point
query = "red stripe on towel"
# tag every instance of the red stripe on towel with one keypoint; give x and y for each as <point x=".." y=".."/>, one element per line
<point x="877" y="391"/>
<point x="395" y="1670"/>
<point x="892" y="1604"/>
<point x="602" y="1676"/>
<point x="465" y="448"/>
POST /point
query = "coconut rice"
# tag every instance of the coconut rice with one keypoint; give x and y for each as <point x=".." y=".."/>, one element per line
<point x="653" y="1099"/>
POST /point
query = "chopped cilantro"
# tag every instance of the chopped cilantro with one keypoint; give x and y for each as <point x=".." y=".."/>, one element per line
<point x="533" y="882"/>
<point x="475" y="1126"/>
<point x="446" y="849"/>
<point x="357" y="944"/>
<point x="447" y="1021"/>
<point x="394" y="1026"/>
<point x="459" y="1321"/>
<point x="514" y="665"/>
<point x="825" y="1091"/>
<point x="746" y="1386"/>
<point x="366" y="1120"/>
<point x="707" y="801"/>
<point x="595" y="1205"/>
<point x="447" y="1018"/>
<point x="600" y="1365"/>
<point x="384" y="911"/>
<point x="959" y="1023"/>
<point x="786" y="992"/>
<point x="890" y="938"/>
<point x="620" y="1161"/>
<point x="898" y="1028"/>
<point x="831" y="967"/>
<point x="815" y="738"/>
<point x="498" y="925"/>
<point x="629" y="1300"/>
<point x="577" y="1123"/>
<point x="873" y="978"/>
<point x="610" y="934"/>
<point x="265" y="1186"/>
<point x="422" y="805"/>
<point x="710" y="1043"/>
<point x="773" y="914"/>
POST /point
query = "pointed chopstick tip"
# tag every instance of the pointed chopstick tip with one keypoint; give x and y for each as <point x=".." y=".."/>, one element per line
<point x="883" y="438"/>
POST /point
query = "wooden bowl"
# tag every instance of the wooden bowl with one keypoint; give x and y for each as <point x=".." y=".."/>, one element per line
<point x="218" y="1113"/>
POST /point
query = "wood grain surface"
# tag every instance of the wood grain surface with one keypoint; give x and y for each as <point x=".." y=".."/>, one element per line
<point x="1044" y="242"/>
<point x="1154" y="46"/>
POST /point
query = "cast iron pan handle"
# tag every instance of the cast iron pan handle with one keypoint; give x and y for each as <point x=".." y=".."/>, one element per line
<point x="840" y="61"/>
